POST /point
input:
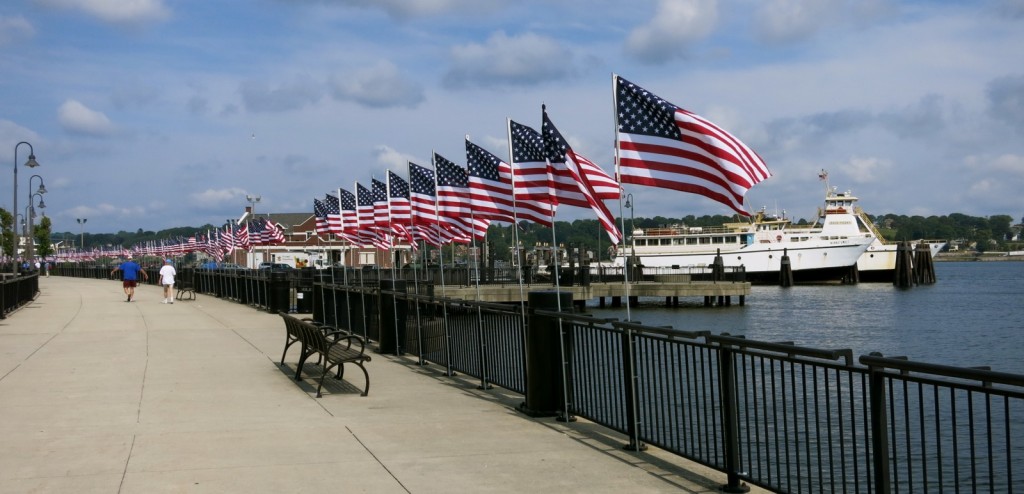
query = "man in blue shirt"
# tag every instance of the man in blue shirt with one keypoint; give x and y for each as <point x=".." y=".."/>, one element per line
<point x="131" y="271"/>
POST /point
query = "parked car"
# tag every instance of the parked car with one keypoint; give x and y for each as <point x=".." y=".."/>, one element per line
<point x="274" y="265"/>
<point x="231" y="265"/>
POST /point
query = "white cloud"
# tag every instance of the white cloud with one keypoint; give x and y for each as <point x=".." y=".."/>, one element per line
<point x="77" y="118"/>
<point x="218" y="197"/>
<point x="676" y="25"/>
<point x="15" y="28"/>
<point x="405" y="9"/>
<point x="866" y="170"/>
<point x="116" y="11"/>
<point x="506" y="60"/>
<point x="1011" y="164"/>
<point x="392" y="158"/>
<point x="381" y="85"/>
<point x="300" y="92"/>
<point x="1006" y="99"/>
<point x="788" y="20"/>
<point x="793" y="20"/>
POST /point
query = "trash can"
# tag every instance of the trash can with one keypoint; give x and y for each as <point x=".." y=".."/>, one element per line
<point x="544" y="380"/>
<point x="279" y="292"/>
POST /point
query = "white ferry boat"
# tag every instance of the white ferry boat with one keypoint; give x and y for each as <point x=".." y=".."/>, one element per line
<point x="823" y="252"/>
<point x="878" y="263"/>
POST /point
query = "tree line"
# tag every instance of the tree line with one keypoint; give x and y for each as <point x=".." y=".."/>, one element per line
<point x="986" y="233"/>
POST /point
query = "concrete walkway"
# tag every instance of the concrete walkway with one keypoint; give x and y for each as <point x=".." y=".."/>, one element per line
<point x="101" y="395"/>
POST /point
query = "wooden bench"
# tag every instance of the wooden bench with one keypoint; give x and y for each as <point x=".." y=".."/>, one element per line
<point x="332" y="347"/>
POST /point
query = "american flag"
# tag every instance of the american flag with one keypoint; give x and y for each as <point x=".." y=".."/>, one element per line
<point x="453" y="207"/>
<point x="263" y="232"/>
<point x="320" y="213"/>
<point x="422" y="195"/>
<point x="662" y="145"/>
<point x="239" y="236"/>
<point x="333" y="208"/>
<point x="381" y="213"/>
<point x="562" y="157"/>
<point x="490" y="184"/>
<point x="365" y="212"/>
<point x="531" y="182"/>
<point x="349" y="217"/>
<point x="401" y="210"/>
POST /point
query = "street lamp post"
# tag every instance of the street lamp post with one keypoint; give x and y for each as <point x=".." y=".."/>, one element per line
<point x="253" y="200"/>
<point x="31" y="163"/>
<point x="31" y="248"/>
<point x="81" y="230"/>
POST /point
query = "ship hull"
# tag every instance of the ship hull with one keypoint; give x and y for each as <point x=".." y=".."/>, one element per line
<point x="762" y="263"/>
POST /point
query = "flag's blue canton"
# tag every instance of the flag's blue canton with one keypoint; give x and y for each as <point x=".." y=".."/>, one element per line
<point x="380" y="191"/>
<point x="399" y="187"/>
<point x="318" y="209"/>
<point x="331" y="205"/>
<point x="642" y="112"/>
<point x="422" y="180"/>
<point x="348" y="200"/>
<point x="555" y="145"/>
<point x="527" y="144"/>
<point x="364" y="196"/>
<point x="482" y="163"/>
<point x="449" y="174"/>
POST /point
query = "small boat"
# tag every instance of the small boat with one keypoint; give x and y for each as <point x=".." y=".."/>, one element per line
<point x="824" y="252"/>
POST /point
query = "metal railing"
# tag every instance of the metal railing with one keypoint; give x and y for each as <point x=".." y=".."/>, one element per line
<point x="775" y="415"/>
<point x="16" y="291"/>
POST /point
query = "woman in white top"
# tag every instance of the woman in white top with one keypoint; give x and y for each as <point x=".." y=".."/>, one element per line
<point x="167" y="273"/>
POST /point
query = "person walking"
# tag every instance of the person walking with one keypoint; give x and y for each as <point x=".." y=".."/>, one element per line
<point x="131" y="270"/>
<point x="167" y="274"/>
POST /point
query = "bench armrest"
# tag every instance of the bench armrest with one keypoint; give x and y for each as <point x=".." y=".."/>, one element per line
<point x="338" y="337"/>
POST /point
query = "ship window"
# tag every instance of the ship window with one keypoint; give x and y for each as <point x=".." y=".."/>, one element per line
<point x="691" y="241"/>
<point x="666" y="241"/>
<point x="640" y="242"/>
<point x="705" y="240"/>
<point x="717" y="240"/>
<point x="677" y="241"/>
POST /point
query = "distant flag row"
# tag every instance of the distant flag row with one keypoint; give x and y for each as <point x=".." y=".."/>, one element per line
<point x="658" y="144"/>
<point x="215" y="243"/>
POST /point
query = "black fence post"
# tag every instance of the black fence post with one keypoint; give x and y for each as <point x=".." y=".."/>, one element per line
<point x="544" y="381"/>
<point x="629" y="379"/>
<point x="879" y="426"/>
<point x="731" y="446"/>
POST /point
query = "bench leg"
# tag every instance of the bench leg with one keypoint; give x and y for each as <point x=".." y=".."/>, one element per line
<point x="302" y="361"/>
<point x="366" y="375"/>
<point x="288" y="342"/>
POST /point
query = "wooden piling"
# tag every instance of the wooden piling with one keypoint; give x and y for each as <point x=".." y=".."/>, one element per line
<point x="903" y="276"/>
<point x="924" y="268"/>
<point x="785" y="270"/>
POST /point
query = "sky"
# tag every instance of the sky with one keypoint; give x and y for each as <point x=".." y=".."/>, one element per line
<point x="155" y="114"/>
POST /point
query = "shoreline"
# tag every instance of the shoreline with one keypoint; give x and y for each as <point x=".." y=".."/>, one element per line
<point x="1000" y="257"/>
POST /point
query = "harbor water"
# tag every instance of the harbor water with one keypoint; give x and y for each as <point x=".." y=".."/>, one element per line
<point x="973" y="316"/>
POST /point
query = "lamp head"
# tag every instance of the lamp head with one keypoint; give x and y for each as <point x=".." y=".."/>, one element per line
<point x="31" y="163"/>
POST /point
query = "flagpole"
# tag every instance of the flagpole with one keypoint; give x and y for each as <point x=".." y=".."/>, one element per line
<point x="440" y="260"/>
<point x="622" y="218"/>
<point x="394" y="273"/>
<point x="516" y="247"/>
<point x="566" y="417"/>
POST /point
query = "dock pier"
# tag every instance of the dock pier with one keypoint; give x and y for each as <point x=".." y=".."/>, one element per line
<point x="709" y="291"/>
